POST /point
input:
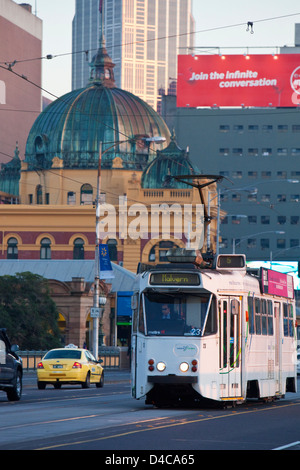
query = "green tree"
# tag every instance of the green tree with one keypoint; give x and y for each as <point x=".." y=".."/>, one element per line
<point x="28" y="312"/>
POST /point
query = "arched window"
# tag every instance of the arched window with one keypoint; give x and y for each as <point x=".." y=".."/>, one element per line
<point x="45" y="252"/>
<point x="78" y="249"/>
<point x="39" y="194"/>
<point x="12" y="248"/>
<point x="86" y="194"/>
<point x="112" y="249"/>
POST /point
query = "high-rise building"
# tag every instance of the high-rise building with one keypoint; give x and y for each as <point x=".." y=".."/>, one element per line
<point x="143" y="38"/>
<point x="20" y="102"/>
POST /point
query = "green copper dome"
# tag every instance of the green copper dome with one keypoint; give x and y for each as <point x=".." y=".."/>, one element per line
<point x="72" y="127"/>
<point x="172" y="161"/>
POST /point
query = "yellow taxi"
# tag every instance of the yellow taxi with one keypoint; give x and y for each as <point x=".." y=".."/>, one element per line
<point x="69" y="365"/>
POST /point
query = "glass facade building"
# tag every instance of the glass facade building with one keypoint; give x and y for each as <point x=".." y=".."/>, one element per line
<point x="143" y="38"/>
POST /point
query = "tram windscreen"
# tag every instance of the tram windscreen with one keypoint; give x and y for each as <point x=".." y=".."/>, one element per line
<point x="179" y="314"/>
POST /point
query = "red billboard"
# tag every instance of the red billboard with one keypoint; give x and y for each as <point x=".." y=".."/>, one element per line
<point x="238" y="80"/>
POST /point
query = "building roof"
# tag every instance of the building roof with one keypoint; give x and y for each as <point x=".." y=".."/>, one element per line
<point x="65" y="270"/>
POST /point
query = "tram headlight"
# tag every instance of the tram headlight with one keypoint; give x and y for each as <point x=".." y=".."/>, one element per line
<point x="161" y="366"/>
<point x="184" y="367"/>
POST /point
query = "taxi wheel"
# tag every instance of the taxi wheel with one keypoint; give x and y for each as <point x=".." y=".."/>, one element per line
<point x="100" y="384"/>
<point x="87" y="382"/>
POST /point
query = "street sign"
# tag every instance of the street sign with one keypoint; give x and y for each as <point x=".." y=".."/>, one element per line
<point x="95" y="312"/>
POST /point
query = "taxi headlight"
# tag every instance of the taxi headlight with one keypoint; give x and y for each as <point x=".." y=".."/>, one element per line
<point x="184" y="367"/>
<point x="161" y="366"/>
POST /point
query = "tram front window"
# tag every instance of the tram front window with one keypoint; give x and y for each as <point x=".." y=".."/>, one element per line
<point x="179" y="315"/>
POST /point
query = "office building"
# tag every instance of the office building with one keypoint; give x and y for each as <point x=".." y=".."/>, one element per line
<point x="143" y="38"/>
<point x="257" y="150"/>
<point x="20" y="101"/>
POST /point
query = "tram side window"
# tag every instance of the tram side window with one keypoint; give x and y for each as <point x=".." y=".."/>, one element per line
<point x="264" y="324"/>
<point x="141" y="318"/>
<point x="260" y="313"/>
<point x="211" y="323"/>
<point x="134" y="307"/>
<point x="270" y="318"/>
<point x="288" y="319"/>
<point x="251" y="315"/>
<point x="257" y="317"/>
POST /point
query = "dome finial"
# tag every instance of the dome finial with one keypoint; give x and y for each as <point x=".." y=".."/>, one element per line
<point x="102" y="66"/>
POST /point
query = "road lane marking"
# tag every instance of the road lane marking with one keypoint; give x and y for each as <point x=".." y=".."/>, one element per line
<point x="165" y="426"/>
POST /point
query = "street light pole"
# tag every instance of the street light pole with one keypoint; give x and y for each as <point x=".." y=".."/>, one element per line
<point x="97" y="299"/>
<point x="97" y="262"/>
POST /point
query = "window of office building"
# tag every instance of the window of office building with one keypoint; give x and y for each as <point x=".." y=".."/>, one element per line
<point x="252" y="219"/>
<point x="282" y="152"/>
<point x="295" y="220"/>
<point x="237" y="152"/>
<point x="265" y="219"/>
<point x="264" y="244"/>
<point x="224" y="128"/>
<point x="265" y="198"/>
<point x="280" y="243"/>
<point x="282" y="175"/>
<point x="281" y="219"/>
<point x="253" y="152"/>
<point x="282" y="127"/>
<point x="267" y="128"/>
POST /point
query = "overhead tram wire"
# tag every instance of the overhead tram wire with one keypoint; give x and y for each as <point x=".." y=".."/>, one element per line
<point x="207" y="30"/>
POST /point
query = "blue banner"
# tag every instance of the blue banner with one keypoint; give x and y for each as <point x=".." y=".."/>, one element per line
<point x="106" y="271"/>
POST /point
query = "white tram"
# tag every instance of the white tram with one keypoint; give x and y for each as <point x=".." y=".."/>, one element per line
<point x="229" y="335"/>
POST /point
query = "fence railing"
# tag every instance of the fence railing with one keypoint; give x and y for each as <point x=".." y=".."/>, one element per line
<point x="109" y="355"/>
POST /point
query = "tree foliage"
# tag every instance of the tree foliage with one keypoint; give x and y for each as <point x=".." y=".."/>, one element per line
<point x="28" y="312"/>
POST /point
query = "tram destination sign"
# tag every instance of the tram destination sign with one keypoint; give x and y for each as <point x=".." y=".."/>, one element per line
<point x="174" y="279"/>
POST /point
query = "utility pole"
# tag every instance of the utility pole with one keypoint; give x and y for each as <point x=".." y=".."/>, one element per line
<point x="96" y="309"/>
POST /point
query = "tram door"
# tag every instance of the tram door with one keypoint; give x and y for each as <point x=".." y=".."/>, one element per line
<point x="277" y="365"/>
<point x="230" y="347"/>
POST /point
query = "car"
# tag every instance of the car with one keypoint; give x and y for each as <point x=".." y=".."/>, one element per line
<point x="69" y="365"/>
<point x="11" y="368"/>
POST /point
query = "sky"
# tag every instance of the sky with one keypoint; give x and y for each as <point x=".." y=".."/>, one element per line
<point x="219" y="23"/>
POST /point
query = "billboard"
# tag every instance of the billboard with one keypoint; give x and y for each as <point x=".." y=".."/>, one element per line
<point x="287" y="267"/>
<point x="238" y="80"/>
<point x="276" y="283"/>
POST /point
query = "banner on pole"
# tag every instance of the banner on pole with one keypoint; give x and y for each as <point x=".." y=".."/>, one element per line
<point x="106" y="271"/>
